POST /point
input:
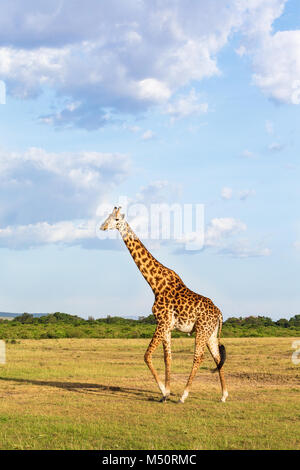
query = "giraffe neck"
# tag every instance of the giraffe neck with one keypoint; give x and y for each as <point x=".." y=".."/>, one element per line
<point x="152" y="270"/>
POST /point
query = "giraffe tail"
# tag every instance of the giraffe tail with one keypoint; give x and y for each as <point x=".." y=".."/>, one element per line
<point x="222" y="350"/>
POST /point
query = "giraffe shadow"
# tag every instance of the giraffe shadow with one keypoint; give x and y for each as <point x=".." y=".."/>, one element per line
<point x="87" y="388"/>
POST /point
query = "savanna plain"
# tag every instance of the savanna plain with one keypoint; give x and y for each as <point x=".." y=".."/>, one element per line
<point x="98" y="394"/>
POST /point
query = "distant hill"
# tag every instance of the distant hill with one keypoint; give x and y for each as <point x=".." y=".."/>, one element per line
<point x="13" y="315"/>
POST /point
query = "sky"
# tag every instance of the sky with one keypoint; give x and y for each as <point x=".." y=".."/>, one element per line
<point x="161" y="102"/>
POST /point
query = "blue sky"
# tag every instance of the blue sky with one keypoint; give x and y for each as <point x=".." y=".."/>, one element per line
<point x="185" y="102"/>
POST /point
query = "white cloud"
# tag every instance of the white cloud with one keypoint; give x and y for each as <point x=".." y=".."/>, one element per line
<point x="129" y="56"/>
<point x="153" y="90"/>
<point x="38" y="186"/>
<point x="226" y="193"/>
<point x="186" y="105"/>
<point x="241" y="51"/>
<point x="41" y="233"/>
<point x="275" y="56"/>
<point x="126" y="62"/>
<point x="277" y="66"/>
<point x="243" y="249"/>
<point x="248" y="154"/>
<point x="148" y="135"/>
<point x="222" y="234"/>
<point x="131" y="128"/>
<point x="276" y="147"/>
<point x="27" y="70"/>
<point x="159" y="191"/>
<point x="32" y="229"/>
<point x="220" y="228"/>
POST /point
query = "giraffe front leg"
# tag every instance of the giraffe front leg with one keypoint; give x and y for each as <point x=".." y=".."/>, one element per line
<point x="167" y="359"/>
<point x="157" y="338"/>
<point x="198" y="358"/>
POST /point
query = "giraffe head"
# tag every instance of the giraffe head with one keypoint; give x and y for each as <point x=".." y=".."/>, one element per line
<point x="114" y="220"/>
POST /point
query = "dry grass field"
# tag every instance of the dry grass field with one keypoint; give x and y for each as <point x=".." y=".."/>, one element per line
<point x="99" y="394"/>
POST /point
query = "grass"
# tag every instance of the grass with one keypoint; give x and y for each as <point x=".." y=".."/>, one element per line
<point x="98" y="394"/>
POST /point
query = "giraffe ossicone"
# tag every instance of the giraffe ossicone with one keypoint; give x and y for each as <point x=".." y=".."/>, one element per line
<point x="175" y="307"/>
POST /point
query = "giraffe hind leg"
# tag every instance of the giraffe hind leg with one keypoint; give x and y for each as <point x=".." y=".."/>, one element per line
<point x="218" y="353"/>
<point x="198" y="358"/>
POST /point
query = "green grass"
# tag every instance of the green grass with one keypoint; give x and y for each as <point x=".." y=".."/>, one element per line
<point x="98" y="394"/>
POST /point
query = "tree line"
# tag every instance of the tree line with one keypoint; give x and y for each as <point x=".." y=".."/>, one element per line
<point x="254" y="321"/>
<point x="62" y="325"/>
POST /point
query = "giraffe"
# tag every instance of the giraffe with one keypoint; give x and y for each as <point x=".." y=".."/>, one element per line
<point x="175" y="307"/>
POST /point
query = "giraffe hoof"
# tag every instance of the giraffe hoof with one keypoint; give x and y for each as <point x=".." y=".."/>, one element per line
<point x="181" y="402"/>
<point x="163" y="399"/>
<point x="225" y="395"/>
